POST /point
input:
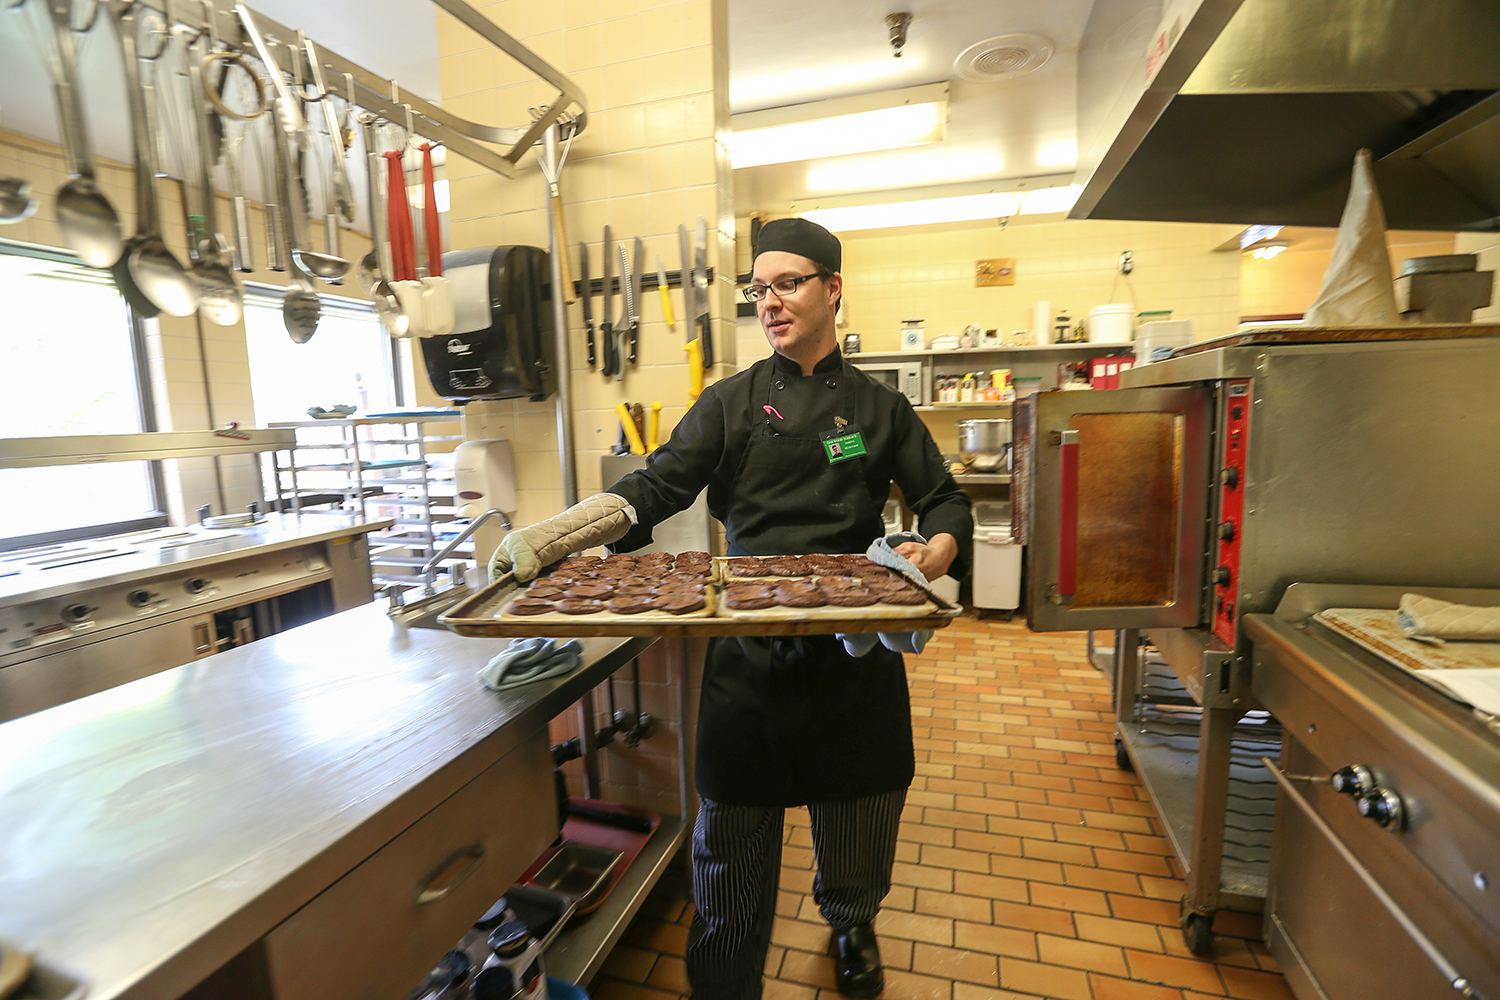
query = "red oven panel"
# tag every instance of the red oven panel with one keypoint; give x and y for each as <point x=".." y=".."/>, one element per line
<point x="1225" y="573"/>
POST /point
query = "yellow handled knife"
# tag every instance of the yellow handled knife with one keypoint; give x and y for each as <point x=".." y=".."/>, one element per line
<point x="666" y="300"/>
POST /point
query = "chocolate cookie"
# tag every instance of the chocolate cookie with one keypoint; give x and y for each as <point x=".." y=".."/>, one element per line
<point x="528" y="606"/>
<point x="630" y="605"/>
<point x="679" y="604"/>
<point x="577" y="606"/>
<point x="749" y="566"/>
<point x="545" y="588"/>
<point x="828" y="584"/>
<point x="850" y="598"/>
<point x="590" y="591"/>
<point x="800" y="597"/>
<point x="907" y="596"/>
<point x="679" y="576"/>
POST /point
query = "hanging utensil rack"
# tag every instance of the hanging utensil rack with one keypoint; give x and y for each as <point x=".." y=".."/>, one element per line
<point x="386" y="98"/>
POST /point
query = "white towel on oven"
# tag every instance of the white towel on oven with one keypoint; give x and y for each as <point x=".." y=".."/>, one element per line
<point x="1428" y="619"/>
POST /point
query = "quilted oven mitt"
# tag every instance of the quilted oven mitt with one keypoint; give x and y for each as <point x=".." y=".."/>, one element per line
<point x="1428" y="619"/>
<point x="596" y="520"/>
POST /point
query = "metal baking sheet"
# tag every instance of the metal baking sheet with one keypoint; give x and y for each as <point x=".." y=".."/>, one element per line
<point x="479" y="615"/>
<point x="1379" y="631"/>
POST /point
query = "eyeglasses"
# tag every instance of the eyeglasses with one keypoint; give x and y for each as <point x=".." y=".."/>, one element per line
<point x="781" y="286"/>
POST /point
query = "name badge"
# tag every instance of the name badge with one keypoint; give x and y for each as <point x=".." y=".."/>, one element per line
<point x="842" y="445"/>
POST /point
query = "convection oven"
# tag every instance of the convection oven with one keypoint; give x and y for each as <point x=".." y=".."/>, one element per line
<point x="1194" y="496"/>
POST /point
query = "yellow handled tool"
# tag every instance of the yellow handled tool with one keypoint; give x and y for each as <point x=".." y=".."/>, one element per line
<point x="653" y="436"/>
<point x="666" y="300"/>
<point x="695" y="369"/>
<point x="637" y="446"/>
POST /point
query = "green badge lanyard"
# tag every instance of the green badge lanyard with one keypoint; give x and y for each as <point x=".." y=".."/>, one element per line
<point x="844" y="442"/>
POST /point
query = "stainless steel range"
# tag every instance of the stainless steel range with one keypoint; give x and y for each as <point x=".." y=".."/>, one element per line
<point x="80" y="617"/>
<point x="1385" y="874"/>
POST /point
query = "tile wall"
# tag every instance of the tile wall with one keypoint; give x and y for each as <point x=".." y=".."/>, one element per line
<point x="654" y="76"/>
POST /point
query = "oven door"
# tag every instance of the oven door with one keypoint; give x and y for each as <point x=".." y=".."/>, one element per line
<point x="1114" y="486"/>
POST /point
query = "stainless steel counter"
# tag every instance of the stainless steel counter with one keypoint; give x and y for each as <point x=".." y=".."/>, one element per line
<point x="151" y="832"/>
<point x="59" y="570"/>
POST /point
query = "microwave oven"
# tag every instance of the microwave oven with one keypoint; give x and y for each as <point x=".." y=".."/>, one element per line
<point x="910" y="378"/>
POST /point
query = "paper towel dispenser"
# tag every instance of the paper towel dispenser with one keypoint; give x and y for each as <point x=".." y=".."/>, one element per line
<point x="502" y="342"/>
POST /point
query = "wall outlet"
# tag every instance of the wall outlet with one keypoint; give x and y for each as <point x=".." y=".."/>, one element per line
<point x="1127" y="262"/>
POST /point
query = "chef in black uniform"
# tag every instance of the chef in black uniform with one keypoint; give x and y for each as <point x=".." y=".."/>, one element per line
<point x="798" y="453"/>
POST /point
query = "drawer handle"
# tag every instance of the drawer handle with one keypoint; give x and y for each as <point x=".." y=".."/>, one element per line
<point x="1456" y="980"/>
<point x="452" y="872"/>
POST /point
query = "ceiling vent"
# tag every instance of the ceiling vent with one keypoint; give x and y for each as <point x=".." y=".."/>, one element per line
<point x="1003" y="57"/>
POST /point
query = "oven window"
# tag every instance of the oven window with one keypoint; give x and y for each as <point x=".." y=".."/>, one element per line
<point x="69" y="364"/>
<point x="1129" y="485"/>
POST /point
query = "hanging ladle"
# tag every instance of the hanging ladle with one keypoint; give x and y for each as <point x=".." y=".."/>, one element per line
<point x="220" y="300"/>
<point x="148" y="275"/>
<point x="290" y="132"/>
<point x="89" y="224"/>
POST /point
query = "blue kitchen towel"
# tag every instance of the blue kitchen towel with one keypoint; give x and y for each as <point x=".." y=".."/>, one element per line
<point x="527" y="660"/>
<point x="882" y="551"/>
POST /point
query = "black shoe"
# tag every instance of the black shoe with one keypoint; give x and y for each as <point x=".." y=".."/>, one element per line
<point x="857" y="962"/>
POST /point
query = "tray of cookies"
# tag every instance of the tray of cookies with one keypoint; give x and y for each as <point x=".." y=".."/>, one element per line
<point x="692" y="594"/>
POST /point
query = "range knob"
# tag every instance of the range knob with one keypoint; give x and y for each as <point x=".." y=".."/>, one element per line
<point x="1384" y="807"/>
<point x="1226" y="530"/>
<point x="1222" y="576"/>
<point x="75" y="613"/>
<point x="139" y="598"/>
<point x="1229" y="476"/>
<point x="1353" y="780"/>
<point x="195" y="585"/>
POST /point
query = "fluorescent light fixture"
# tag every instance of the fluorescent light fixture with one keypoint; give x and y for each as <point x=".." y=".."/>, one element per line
<point x="954" y="203"/>
<point x="896" y="118"/>
<point x="912" y="169"/>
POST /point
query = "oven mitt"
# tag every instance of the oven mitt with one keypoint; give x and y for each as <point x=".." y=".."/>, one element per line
<point x="596" y="520"/>
<point x="527" y="660"/>
<point x="882" y="552"/>
<point x="1428" y="619"/>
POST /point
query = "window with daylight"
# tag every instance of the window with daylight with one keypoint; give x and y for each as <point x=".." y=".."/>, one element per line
<point x="71" y="362"/>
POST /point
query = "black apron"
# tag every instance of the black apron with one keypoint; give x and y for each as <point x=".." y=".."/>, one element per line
<point x="792" y="720"/>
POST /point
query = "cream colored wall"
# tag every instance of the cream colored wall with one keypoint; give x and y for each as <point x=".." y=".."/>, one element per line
<point x="889" y="277"/>
<point x="1285" y="285"/>
<point x="650" y="158"/>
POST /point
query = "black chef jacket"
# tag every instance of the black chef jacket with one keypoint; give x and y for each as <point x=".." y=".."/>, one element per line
<point x="794" y="719"/>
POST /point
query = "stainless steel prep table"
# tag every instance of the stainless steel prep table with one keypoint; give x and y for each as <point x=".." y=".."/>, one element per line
<point x="151" y="833"/>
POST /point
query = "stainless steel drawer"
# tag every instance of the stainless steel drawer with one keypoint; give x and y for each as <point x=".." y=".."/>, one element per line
<point x="375" y="932"/>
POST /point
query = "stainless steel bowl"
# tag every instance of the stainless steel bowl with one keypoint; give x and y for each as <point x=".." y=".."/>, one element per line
<point x="984" y="445"/>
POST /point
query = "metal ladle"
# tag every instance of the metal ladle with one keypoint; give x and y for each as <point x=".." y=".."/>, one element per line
<point x="148" y="275"/>
<point x="88" y="222"/>
<point x="220" y="300"/>
<point x="290" y="131"/>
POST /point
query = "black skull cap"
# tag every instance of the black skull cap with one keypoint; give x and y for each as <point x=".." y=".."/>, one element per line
<point x="806" y="239"/>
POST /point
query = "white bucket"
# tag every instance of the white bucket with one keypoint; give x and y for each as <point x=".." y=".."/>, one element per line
<point x="1111" y="324"/>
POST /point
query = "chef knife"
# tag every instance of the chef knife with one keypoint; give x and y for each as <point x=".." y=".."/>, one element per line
<point x="639" y="275"/>
<point x="666" y="299"/>
<point x="588" y="297"/>
<point x="685" y="244"/>
<point x="627" y="311"/>
<point x="700" y="290"/>
<point x="606" y="327"/>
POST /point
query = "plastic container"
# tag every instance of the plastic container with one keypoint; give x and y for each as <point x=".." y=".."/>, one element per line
<point x="1156" y="340"/>
<point x="1111" y="324"/>
<point x="997" y="558"/>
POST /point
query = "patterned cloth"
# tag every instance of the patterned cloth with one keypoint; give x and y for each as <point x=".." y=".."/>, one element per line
<point x="883" y="552"/>
<point x="527" y="660"/>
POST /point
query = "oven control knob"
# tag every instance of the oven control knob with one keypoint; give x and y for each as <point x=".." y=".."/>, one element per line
<point x="1383" y="806"/>
<point x="195" y="585"/>
<point x="1353" y="780"/>
<point x="1229" y="476"/>
<point x="139" y="598"/>
<point x="75" y="613"/>
<point x="1226" y="530"/>
<point x="1222" y="576"/>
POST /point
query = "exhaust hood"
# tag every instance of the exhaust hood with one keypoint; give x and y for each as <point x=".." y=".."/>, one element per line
<point x="1251" y="111"/>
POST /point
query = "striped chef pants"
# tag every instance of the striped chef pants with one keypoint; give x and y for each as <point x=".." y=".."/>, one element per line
<point x="737" y="869"/>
